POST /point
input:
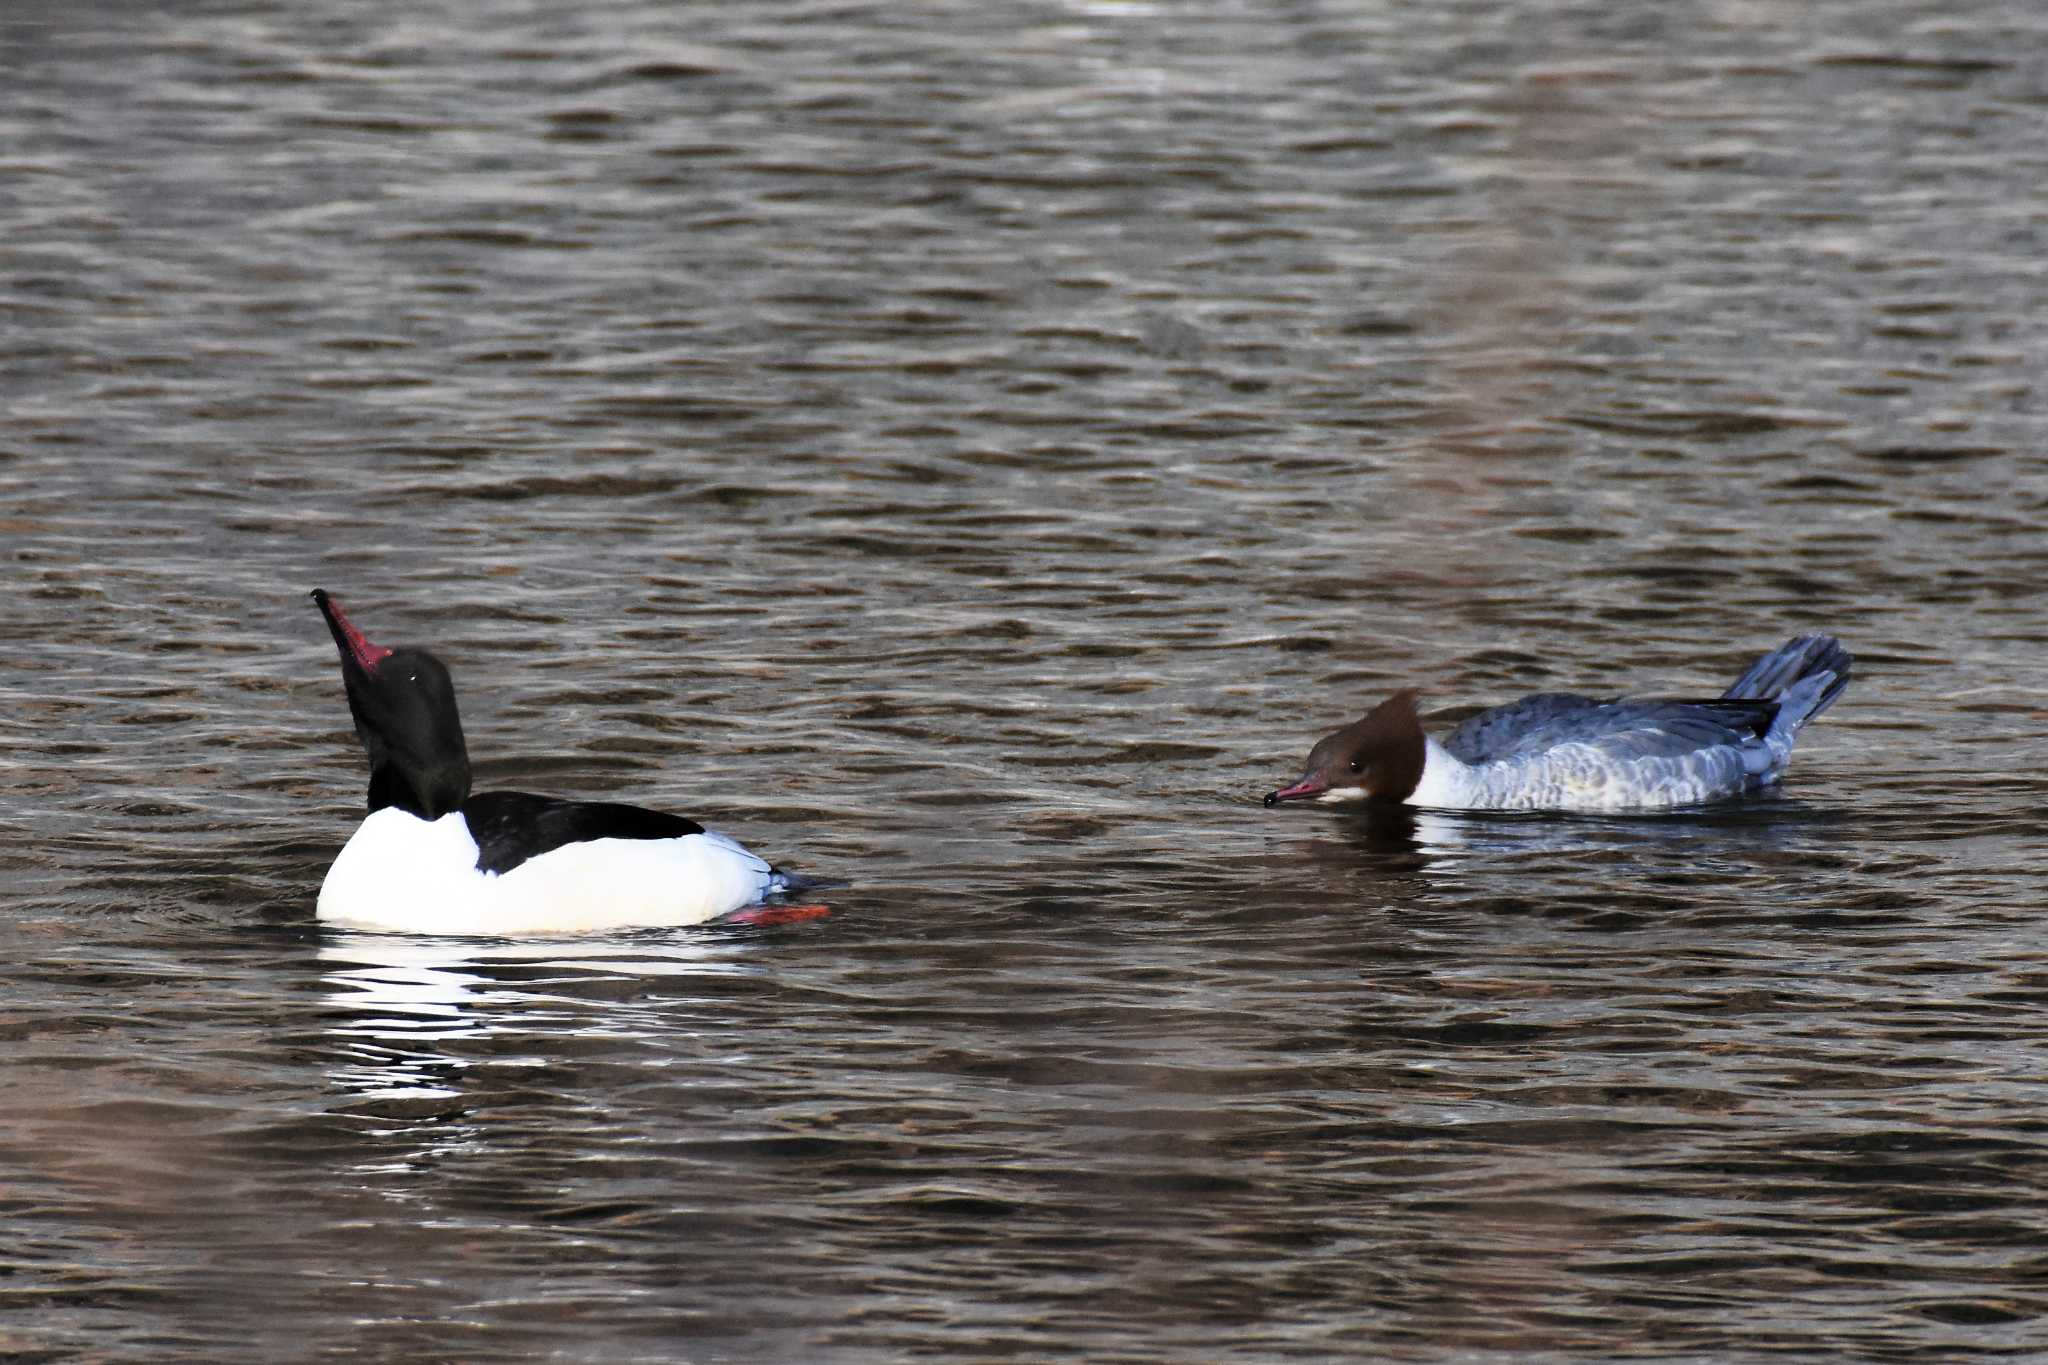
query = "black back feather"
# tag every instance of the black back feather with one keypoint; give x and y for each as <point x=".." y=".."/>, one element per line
<point x="510" y="827"/>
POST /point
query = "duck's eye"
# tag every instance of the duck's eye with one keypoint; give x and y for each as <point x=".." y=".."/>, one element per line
<point x="1356" y="766"/>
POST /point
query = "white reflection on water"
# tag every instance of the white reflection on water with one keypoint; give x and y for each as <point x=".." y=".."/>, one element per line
<point x="399" y="1003"/>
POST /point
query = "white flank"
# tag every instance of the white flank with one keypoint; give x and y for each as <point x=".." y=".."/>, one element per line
<point x="403" y="874"/>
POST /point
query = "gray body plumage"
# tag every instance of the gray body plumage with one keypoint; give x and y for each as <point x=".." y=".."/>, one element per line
<point x="1559" y="750"/>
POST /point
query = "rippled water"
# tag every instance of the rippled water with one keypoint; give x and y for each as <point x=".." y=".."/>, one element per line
<point x="974" y="451"/>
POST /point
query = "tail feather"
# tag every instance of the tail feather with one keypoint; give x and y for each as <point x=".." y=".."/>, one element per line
<point x="1804" y="676"/>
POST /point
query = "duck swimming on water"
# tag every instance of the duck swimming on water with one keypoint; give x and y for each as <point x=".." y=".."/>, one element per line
<point x="1562" y="751"/>
<point x="433" y="857"/>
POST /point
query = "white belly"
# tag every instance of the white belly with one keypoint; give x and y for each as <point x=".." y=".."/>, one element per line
<point x="403" y="874"/>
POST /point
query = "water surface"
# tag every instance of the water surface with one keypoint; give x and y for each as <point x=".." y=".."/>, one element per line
<point x="975" y="451"/>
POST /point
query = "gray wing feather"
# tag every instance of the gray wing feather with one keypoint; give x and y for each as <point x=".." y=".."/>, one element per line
<point x="1506" y="730"/>
<point x="1627" y="729"/>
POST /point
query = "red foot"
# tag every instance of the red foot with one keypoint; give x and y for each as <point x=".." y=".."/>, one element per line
<point x="778" y="914"/>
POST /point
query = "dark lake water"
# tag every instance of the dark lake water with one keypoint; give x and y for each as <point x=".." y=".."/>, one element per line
<point x="973" y="451"/>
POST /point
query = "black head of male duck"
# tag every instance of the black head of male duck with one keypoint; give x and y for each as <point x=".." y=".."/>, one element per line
<point x="403" y="702"/>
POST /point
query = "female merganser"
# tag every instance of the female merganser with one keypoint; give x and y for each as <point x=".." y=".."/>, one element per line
<point x="433" y="858"/>
<point x="1560" y="751"/>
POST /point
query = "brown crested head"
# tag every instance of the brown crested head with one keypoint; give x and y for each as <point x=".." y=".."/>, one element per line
<point x="1378" y="758"/>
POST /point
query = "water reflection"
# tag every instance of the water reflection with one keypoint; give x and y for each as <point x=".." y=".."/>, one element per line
<point x="410" y="1011"/>
<point x="1448" y="839"/>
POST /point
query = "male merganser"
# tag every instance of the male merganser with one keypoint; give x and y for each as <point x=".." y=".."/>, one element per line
<point x="433" y="858"/>
<point x="1561" y="751"/>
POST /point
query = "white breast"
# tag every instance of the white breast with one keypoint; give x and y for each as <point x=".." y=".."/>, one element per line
<point x="404" y="874"/>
